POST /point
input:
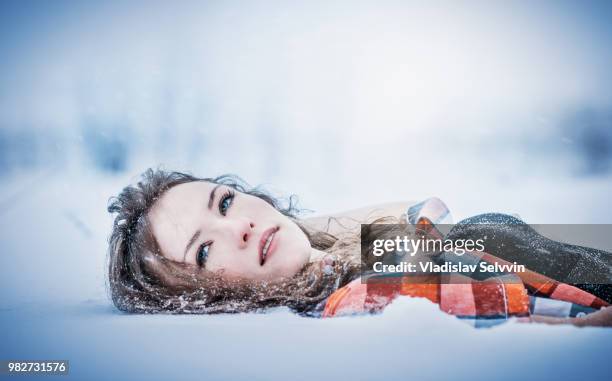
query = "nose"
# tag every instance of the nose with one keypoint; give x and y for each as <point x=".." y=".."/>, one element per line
<point x="243" y="229"/>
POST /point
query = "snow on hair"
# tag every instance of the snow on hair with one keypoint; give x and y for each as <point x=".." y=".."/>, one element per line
<point x="142" y="280"/>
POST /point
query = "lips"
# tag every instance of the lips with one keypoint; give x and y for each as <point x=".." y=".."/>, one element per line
<point x="267" y="235"/>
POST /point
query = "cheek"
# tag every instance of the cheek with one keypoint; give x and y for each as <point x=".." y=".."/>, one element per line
<point x="221" y="261"/>
<point x="299" y="246"/>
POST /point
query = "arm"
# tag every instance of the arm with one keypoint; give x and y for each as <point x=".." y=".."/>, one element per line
<point x="351" y="220"/>
<point x="601" y="318"/>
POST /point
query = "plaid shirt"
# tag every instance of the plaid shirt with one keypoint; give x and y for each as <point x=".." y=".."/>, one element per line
<point x="477" y="301"/>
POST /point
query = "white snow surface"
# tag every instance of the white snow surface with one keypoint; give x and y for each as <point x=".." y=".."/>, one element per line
<point x="55" y="306"/>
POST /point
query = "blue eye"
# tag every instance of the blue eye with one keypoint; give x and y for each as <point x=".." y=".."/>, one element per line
<point x="203" y="254"/>
<point x="226" y="202"/>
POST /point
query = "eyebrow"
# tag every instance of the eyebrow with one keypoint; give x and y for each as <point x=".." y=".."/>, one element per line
<point x="211" y="199"/>
<point x="195" y="235"/>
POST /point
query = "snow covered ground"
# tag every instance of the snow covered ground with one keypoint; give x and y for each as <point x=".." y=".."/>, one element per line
<point x="491" y="106"/>
<point x="54" y="306"/>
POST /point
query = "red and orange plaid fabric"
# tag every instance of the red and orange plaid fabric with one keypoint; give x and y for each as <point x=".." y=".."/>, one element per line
<point x="483" y="302"/>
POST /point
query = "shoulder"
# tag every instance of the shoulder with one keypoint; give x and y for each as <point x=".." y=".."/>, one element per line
<point x="351" y="220"/>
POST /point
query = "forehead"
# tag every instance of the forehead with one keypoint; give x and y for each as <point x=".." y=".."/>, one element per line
<point x="179" y="195"/>
<point x="174" y="216"/>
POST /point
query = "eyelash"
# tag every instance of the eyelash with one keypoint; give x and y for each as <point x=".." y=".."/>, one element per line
<point x="201" y="258"/>
<point x="229" y="195"/>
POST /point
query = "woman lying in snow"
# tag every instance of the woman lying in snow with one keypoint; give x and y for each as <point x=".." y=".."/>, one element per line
<point x="182" y="244"/>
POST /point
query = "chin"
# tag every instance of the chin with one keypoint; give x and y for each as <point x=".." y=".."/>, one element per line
<point x="288" y="270"/>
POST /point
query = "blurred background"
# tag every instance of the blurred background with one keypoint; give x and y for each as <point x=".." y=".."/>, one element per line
<point x="490" y="105"/>
<point x="345" y="103"/>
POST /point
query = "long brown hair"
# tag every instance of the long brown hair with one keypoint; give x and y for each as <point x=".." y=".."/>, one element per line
<point x="142" y="280"/>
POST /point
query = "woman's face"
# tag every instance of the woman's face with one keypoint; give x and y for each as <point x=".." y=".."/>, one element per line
<point x="222" y="230"/>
